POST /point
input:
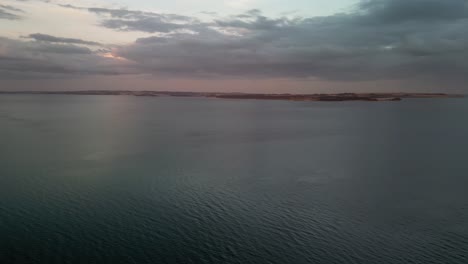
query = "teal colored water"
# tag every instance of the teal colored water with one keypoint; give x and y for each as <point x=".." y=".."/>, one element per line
<point x="115" y="179"/>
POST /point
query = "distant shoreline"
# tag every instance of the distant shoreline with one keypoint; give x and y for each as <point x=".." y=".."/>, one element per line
<point x="335" y="97"/>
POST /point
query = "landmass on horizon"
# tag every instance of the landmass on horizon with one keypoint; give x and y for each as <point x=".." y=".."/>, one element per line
<point x="284" y="96"/>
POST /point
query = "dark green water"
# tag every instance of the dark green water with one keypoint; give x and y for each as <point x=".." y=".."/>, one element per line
<point x="90" y="179"/>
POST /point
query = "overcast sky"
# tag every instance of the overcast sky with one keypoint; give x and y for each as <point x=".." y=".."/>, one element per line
<point x="235" y="45"/>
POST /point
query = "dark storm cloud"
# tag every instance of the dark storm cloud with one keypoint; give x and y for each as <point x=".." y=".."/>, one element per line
<point x="7" y="12"/>
<point x="131" y="20"/>
<point x="63" y="49"/>
<point x="382" y="39"/>
<point x="49" y="38"/>
<point x="150" y="25"/>
<point x="11" y="8"/>
<point x="25" y="66"/>
<point x="379" y="40"/>
<point x="32" y="59"/>
<point x="131" y="14"/>
<point x="397" y="11"/>
<point x="143" y="21"/>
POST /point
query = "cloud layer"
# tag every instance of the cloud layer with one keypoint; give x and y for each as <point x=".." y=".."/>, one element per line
<point x="9" y="12"/>
<point x="378" y="40"/>
<point x="53" y="39"/>
<point x="44" y="60"/>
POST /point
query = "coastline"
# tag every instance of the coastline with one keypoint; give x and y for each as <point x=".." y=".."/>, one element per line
<point x="333" y="97"/>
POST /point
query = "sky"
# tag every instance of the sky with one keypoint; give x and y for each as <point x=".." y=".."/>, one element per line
<point x="294" y="46"/>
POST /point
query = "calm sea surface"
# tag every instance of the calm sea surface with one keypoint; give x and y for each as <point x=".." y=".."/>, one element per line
<point x="116" y="179"/>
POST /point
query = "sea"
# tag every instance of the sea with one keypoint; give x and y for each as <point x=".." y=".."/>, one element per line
<point x="122" y="179"/>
